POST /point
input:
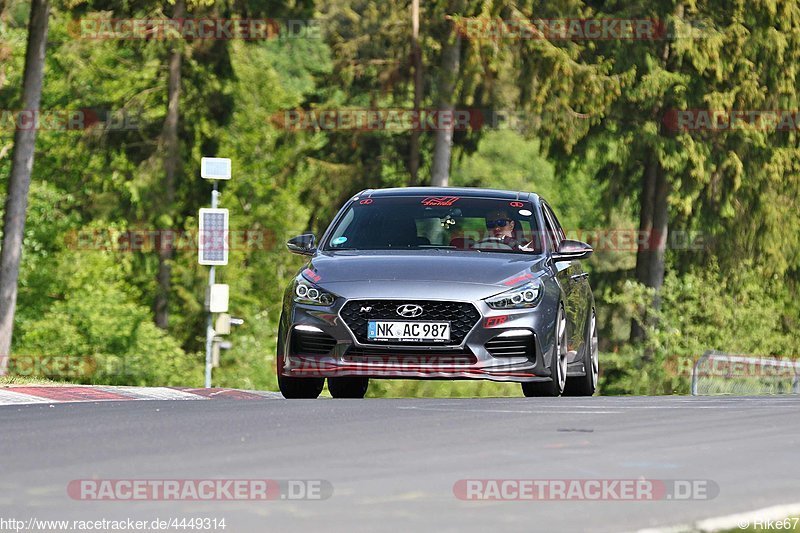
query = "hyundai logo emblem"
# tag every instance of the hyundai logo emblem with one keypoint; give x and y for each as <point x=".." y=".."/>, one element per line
<point x="409" y="310"/>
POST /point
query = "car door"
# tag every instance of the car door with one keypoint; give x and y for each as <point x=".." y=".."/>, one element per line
<point x="581" y="279"/>
<point x="571" y="276"/>
<point x="560" y="270"/>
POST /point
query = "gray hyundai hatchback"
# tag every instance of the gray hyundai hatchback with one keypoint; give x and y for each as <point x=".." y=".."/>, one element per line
<point x="439" y="283"/>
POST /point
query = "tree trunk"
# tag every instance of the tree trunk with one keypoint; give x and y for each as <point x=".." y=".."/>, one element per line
<point x="172" y="166"/>
<point x="413" y="163"/>
<point x="653" y="219"/>
<point x="645" y="227"/>
<point x="650" y="265"/>
<point x="658" y="236"/>
<point x="20" y="180"/>
<point x="451" y="64"/>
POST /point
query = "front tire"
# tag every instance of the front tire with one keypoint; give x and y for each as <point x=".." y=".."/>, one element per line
<point x="348" y="387"/>
<point x="586" y="385"/>
<point x="294" y="388"/>
<point x="300" y="388"/>
<point x="558" y="364"/>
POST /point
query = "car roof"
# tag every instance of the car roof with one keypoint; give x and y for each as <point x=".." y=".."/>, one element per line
<point x="465" y="192"/>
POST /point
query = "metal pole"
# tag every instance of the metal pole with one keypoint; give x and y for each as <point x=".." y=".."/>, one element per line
<point x="209" y="321"/>
<point x="694" y="370"/>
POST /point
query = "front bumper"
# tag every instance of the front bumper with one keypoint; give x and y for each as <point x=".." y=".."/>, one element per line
<point x="505" y="345"/>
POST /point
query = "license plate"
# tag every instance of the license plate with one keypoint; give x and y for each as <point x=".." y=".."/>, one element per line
<point x="379" y="330"/>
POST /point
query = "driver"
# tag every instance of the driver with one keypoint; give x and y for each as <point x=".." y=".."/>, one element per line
<point x="501" y="227"/>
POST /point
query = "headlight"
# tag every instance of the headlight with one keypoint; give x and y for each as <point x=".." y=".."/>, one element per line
<point x="306" y="292"/>
<point x="521" y="297"/>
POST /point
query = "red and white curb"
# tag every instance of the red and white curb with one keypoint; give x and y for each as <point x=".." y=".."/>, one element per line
<point x="86" y="393"/>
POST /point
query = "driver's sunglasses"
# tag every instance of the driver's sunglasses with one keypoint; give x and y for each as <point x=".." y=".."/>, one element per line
<point x="499" y="223"/>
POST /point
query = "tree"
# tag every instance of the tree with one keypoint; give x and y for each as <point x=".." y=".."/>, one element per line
<point x="20" y="179"/>
<point x="448" y="77"/>
<point x="383" y="71"/>
<point x="416" y="52"/>
<point x="706" y="60"/>
<point x="700" y="56"/>
<point x="172" y="167"/>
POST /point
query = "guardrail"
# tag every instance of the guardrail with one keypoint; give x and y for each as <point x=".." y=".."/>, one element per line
<point x="741" y="374"/>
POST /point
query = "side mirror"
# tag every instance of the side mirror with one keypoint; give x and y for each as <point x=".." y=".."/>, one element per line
<point x="570" y="250"/>
<point x="302" y="244"/>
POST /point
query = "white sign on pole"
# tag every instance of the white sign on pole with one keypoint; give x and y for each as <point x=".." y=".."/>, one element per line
<point x="212" y="245"/>
<point x="218" y="295"/>
<point x="215" y="168"/>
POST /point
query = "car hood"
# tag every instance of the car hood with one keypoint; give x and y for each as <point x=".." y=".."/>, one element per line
<point x="420" y="274"/>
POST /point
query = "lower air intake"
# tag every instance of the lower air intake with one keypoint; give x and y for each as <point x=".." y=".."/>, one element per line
<point x="512" y="346"/>
<point x="311" y="343"/>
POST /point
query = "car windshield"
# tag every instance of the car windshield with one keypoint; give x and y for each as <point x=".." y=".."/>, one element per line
<point x="445" y="222"/>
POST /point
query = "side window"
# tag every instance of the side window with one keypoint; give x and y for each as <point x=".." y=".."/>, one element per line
<point x="552" y="220"/>
<point x="559" y="229"/>
<point x="549" y="232"/>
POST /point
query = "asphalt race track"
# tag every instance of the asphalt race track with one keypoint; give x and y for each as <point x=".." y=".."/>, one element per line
<point x="393" y="463"/>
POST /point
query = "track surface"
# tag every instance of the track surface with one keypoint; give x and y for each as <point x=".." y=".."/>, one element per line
<point x="393" y="463"/>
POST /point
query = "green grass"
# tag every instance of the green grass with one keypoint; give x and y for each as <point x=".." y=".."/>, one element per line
<point x="10" y="380"/>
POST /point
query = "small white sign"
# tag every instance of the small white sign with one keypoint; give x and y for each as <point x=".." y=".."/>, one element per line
<point x="218" y="298"/>
<point x="215" y="168"/>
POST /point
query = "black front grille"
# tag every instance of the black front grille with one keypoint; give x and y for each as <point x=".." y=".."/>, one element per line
<point x="522" y="346"/>
<point x="462" y="317"/>
<point x="311" y="343"/>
